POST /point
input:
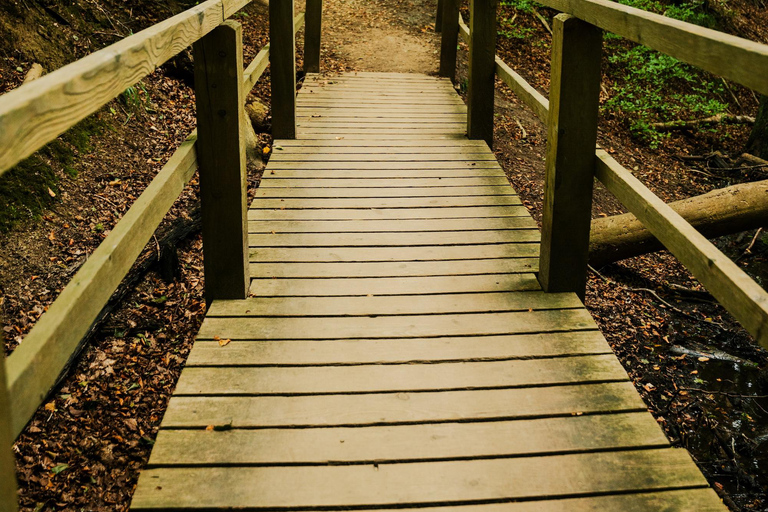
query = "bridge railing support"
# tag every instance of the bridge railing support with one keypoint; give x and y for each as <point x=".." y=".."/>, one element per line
<point x="282" y="59"/>
<point x="572" y="134"/>
<point x="221" y="157"/>
<point x="482" y="70"/>
<point x="313" y="35"/>
<point x="439" y="17"/>
<point x="448" y="18"/>
<point x="8" y="496"/>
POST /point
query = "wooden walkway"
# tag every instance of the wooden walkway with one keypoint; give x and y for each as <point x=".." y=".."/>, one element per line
<point x="397" y="351"/>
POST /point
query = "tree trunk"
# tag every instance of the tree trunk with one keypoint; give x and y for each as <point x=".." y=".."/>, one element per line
<point x="720" y="212"/>
<point x="758" y="140"/>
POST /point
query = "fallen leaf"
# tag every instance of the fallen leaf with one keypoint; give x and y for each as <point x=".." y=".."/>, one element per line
<point x="224" y="343"/>
<point x="51" y="193"/>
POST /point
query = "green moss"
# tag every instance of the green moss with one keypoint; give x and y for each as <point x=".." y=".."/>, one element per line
<point x="26" y="190"/>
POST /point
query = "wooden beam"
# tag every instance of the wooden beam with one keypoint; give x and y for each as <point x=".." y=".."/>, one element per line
<point x="282" y="59"/>
<point x="523" y="90"/>
<point x="8" y="496"/>
<point x="313" y="36"/>
<point x="439" y="16"/>
<point x="482" y="70"/>
<point x="221" y="153"/>
<point x="735" y="58"/>
<point x="259" y="63"/>
<point x="731" y="286"/>
<point x="450" y="38"/>
<point x="571" y="139"/>
<point x="38" y="112"/>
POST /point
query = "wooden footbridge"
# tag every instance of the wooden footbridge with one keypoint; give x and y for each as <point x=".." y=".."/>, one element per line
<point x="387" y="326"/>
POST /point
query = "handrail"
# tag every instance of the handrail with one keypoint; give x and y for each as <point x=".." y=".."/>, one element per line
<point x="730" y="285"/>
<point x="36" y="364"/>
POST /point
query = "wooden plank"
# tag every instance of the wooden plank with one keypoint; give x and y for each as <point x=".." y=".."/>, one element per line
<point x="313" y="35"/>
<point x="221" y="153"/>
<point x="523" y="90"/>
<point x="439" y="17"/>
<point x="387" y="202"/>
<point x="393" y="269"/>
<point x="361" y="287"/>
<point x="426" y="125"/>
<point x="388" y="118"/>
<point x="370" y="226"/>
<point x="406" y="442"/>
<point x="389" y="214"/>
<point x="377" y="150"/>
<point x="450" y="38"/>
<point x="35" y="365"/>
<point x="392" y="239"/>
<point x="387" y="306"/>
<point x="734" y="289"/>
<point x="401" y="408"/>
<point x="383" y="192"/>
<point x="571" y="139"/>
<point x="482" y="67"/>
<point x="367" y="131"/>
<point x="309" y="100"/>
<point x="382" y="175"/>
<point x="282" y="59"/>
<point x="411" y="326"/>
<point x="424" y="253"/>
<point x="394" y="351"/>
<point x="41" y="110"/>
<point x="737" y="59"/>
<point x="402" y="378"/>
<point x="293" y="156"/>
<point x="411" y="135"/>
<point x="394" y="143"/>
<point x="400" y="166"/>
<point x="9" y="498"/>
<point x="314" y="181"/>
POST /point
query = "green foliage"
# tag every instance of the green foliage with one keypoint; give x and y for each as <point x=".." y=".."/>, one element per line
<point x="692" y="11"/>
<point x="136" y="99"/>
<point x="507" y="28"/>
<point x="520" y="5"/>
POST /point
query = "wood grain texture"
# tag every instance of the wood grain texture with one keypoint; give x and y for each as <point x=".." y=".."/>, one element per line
<point x="373" y="254"/>
<point x="387" y="214"/>
<point x="406" y="442"/>
<point x="482" y="70"/>
<point x="8" y="496"/>
<point x="221" y="153"/>
<point x="313" y="36"/>
<point x="36" y="364"/>
<point x="38" y="112"/>
<point x="403" y="225"/>
<point x="571" y="139"/>
<point x="282" y="58"/>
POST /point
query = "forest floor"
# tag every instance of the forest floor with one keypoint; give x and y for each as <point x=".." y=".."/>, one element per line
<point x="85" y="447"/>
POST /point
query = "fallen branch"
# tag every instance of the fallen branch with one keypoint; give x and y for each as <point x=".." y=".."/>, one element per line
<point x="696" y="123"/>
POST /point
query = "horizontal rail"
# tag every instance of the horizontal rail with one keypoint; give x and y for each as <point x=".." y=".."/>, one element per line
<point x="36" y="113"/>
<point x="37" y="363"/>
<point x="730" y="285"/>
<point x="735" y="58"/>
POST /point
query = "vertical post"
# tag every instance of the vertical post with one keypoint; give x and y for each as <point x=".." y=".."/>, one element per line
<point x="282" y="59"/>
<point x="8" y="496"/>
<point x="221" y="157"/>
<point x="439" y="16"/>
<point x="450" y="38"/>
<point x="313" y="27"/>
<point x="482" y="69"/>
<point x="572" y="134"/>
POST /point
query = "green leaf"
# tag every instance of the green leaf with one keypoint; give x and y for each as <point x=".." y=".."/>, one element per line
<point x="59" y="468"/>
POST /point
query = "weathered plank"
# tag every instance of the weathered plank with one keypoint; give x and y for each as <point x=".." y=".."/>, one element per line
<point x="402" y="408"/>
<point x="419" y="253"/>
<point x="571" y="139"/>
<point x="376" y="166"/>
<point x="382" y="192"/>
<point x="469" y="212"/>
<point x="221" y="153"/>
<point x="393" y="269"/>
<point x="282" y="57"/>
<point x="314" y="181"/>
<point x="394" y="351"/>
<point x="362" y="286"/>
<point x="406" y="442"/>
<point x="313" y="36"/>
<point x="383" y="175"/>
<point x="392" y="239"/>
<point x="394" y="143"/>
<point x="293" y="156"/>
<point x="370" y="226"/>
<point x="450" y="38"/>
<point x="386" y="202"/>
<point x="8" y="495"/>
<point x="410" y="326"/>
<point x="523" y="90"/>
<point x="482" y="68"/>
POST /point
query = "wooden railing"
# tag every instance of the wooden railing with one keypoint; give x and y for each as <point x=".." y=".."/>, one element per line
<point x="37" y="113"/>
<point x="571" y="118"/>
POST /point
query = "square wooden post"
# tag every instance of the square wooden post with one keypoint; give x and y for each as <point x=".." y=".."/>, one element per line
<point x="439" y="16"/>
<point x="572" y="134"/>
<point x="450" y="38"/>
<point x="8" y="496"/>
<point x="482" y="70"/>
<point x="282" y="59"/>
<point x="221" y="155"/>
<point x="313" y="27"/>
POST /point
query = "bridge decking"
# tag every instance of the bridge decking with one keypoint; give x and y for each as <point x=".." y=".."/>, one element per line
<point x="397" y="351"/>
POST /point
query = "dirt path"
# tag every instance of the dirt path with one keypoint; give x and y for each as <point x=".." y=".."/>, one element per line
<point x="385" y="35"/>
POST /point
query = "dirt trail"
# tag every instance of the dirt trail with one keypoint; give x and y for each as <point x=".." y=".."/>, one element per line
<point x="385" y="35"/>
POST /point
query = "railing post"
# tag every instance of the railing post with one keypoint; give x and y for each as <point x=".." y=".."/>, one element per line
<point x="313" y="27"/>
<point x="8" y="496"/>
<point x="482" y="69"/>
<point x="450" y="37"/>
<point x="572" y="134"/>
<point x="282" y="58"/>
<point x="439" y="16"/>
<point x="221" y="157"/>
